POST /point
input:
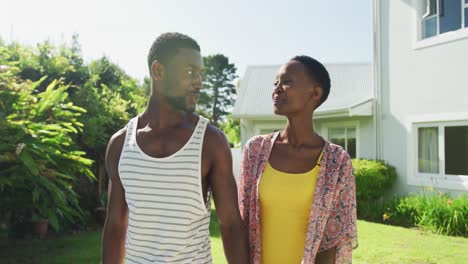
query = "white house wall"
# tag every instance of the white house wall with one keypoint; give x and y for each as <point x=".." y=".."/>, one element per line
<point x="415" y="81"/>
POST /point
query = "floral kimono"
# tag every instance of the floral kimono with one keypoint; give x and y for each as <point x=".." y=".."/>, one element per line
<point x="332" y="220"/>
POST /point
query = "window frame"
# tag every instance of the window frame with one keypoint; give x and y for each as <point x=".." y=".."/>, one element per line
<point x="439" y="180"/>
<point x="347" y="124"/>
<point x="438" y="39"/>
<point x="426" y="16"/>
<point x="464" y="19"/>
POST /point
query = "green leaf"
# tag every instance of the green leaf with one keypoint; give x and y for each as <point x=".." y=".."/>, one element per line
<point x="53" y="221"/>
<point x="29" y="162"/>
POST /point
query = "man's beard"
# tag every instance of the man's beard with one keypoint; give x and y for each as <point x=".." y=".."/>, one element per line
<point x="178" y="102"/>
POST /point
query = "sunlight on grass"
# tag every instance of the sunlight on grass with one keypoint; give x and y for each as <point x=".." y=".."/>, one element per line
<point x="380" y="243"/>
<point x="377" y="244"/>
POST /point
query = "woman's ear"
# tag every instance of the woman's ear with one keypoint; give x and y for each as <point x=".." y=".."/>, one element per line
<point x="157" y="70"/>
<point x="317" y="93"/>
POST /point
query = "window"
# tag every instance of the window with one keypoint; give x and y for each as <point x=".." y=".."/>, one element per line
<point x="443" y="149"/>
<point x="428" y="150"/>
<point x="465" y="13"/>
<point x="345" y="137"/>
<point x="441" y="16"/>
<point x="456" y="150"/>
<point x="429" y="18"/>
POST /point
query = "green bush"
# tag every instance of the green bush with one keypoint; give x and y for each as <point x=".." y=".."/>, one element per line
<point x="438" y="213"/>
<point x="373" y="179"/>
<point x="38" y="159"/>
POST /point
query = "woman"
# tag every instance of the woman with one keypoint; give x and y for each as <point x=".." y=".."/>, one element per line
<point x="296" y="190"/>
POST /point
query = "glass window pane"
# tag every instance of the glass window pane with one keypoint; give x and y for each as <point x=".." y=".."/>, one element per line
<point x="429" y="8"/>
<point x="466" y="17"/>
<point x="432" y="7"/>
<point x="449" y="15"/>
<point x="351" y="133"/>
<point x="428" y="150"/>
<point x="430" y="27"/>
<point x="456" y="150"/>
<point x="352" y="148"/>
<point x="337" y="136"/>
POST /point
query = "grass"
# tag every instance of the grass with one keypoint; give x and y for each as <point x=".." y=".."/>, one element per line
<point x="380" y="243"/>
<point x="377" y="244"/>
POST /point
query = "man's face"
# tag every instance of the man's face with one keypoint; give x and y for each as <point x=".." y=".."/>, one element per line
<point x="183" y="80"/>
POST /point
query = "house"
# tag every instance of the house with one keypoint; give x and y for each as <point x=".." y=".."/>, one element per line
<point x="421" y="101"/>
<point x="345" y="118"/>
<point x="409" y="108"/>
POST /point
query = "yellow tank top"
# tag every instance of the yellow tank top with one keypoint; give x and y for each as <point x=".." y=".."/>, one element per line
<point x="285" y="204"/>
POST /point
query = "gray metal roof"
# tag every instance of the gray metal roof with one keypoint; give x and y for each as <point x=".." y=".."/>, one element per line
<point x="351" y="86"/>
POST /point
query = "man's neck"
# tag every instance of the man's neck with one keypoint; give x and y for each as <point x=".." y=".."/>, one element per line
<point x="159" y="114"/>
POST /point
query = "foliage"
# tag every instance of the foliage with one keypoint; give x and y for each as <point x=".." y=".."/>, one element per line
<point x="436" y="212"/>
<point x="217" y="97"/>
<point x="231" y="128"/>
<point x="108" y="94"/>
<point x="39" y="160"/>
<point x="373" y="180"/>
<point x="111" y="98"/>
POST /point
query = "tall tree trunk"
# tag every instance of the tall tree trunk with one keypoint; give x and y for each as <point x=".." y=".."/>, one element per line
<point x="215" y="115"/>
<point x="101" y="169"/>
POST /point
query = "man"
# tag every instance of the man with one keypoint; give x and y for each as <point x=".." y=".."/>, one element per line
<point x="162" y="166"/>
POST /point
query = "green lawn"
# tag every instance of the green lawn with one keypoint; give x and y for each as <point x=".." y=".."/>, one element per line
<point x="377" y="244"/>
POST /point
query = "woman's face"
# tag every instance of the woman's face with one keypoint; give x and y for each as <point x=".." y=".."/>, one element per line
<point x="293" y="90"/>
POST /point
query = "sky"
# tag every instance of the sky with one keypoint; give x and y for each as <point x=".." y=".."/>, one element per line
<point x="247" y="32"/>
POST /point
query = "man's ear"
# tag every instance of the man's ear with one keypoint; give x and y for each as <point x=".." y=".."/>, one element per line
<point x="157" y="70"/>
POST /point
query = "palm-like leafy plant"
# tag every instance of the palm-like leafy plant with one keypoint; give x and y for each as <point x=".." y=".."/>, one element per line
<point x="38" y="158"/>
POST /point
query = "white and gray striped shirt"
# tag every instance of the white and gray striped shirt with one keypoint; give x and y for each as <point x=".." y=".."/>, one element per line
<point x="168" y="217"/>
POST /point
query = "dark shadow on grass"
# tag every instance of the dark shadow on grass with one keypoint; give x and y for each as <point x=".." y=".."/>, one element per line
<point x="214" y="225"/>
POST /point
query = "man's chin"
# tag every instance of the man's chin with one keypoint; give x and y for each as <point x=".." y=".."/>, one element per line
<point x="190" y="109"/>
<point x="187" y="108"/>
<point x="179" y="103"/>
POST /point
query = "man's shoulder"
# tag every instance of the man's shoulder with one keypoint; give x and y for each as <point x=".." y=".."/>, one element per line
<point x="214" y="135"/>
<point x="116" y="142"/>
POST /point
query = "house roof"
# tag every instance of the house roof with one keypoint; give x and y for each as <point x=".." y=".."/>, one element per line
<point x="351" y="91"/>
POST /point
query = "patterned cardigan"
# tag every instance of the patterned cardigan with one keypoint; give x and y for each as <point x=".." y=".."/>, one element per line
<point x="332" y="220"/>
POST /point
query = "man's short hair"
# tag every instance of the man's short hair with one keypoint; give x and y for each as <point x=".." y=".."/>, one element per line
<point x="165" y="47"/>
<point x="317" y="72"/>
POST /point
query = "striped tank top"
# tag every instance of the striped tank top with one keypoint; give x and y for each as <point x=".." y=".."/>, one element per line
<point x="168" y="219"/>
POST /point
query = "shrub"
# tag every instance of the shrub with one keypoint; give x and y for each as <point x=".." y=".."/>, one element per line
<point x="438" y="213"/>
<point x="38" y="160"/>
<point x="373" y="179"/>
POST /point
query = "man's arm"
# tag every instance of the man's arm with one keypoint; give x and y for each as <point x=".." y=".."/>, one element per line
<point x="115" y="228"/>
<point x="224" y="190"/>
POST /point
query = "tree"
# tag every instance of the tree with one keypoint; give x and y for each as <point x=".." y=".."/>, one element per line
<point x="38" y="160"/>
<point x="217" y="97"/>
<point x="111" y="98"/>
<point x="108" y="94"/>
<point x="231" y="129"/>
